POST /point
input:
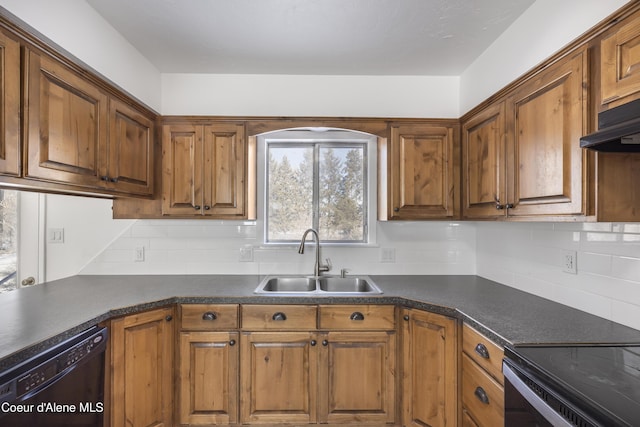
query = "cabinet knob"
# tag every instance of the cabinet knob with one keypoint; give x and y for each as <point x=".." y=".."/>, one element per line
<point x="206" y="207"/>
<point x="313" y="343"/>
<point x="196" y="207"/>
<point x="113" y="180"/>
<point x="481" y="395"/>
<point x="325" y="343"/>
<point x="232" y="342"/>
<point x="104" y="178"/>
<point x="406" y="317"/>
<point x="509" y="206"/>
<point x="396" y="209"/>
<point x="279" y="316"/>
<point x="499" y="206"/>
<point x="209" y="315"/>
<point x="168" y="318"/>
<point x="482" y="351"/>
<point x="356" y="316"/>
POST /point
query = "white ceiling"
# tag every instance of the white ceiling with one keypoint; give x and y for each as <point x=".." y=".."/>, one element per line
<point x="324" y="37"/>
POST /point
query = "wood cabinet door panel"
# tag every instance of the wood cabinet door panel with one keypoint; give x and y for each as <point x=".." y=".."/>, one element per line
<point x="130" y="166"/>
<point x="430" y="370"/>
<point x="67" y="124"/>
<point x="208" y="378"/>
<point x="620" y="62"/>
<point x="181" y="169"/>
<point x="278" y="377"/>
<point x="10" y="106"/>
<point x="544" y="155"/>
<point x="142" y="366"/>
<point x="483" y="164"/>
<point x="423" y="169"/>
<point x="356" y="378"/>
<point x="224" y="170"/>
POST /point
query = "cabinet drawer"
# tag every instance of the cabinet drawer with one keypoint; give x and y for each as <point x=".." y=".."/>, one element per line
<point x="483" y="351"/>
<point x="368" y="317"/>
<point x="482" y="396"/>
<point x="208" y="317"/>
<point x="271" y="317"/>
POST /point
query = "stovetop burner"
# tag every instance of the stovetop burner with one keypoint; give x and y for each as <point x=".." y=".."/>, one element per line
<point x="603" y="377"/>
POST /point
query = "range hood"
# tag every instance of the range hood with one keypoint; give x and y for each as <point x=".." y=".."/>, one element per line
<point x="618" y="130"/>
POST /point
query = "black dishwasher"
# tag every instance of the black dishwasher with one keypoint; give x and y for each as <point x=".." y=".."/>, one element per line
<point x="62" y="386"/>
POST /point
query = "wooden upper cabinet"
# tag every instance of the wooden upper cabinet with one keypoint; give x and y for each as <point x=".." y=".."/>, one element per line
<point x="67" y="124"/>
<point x="546" y="117"/>
<point x="204" y="170"/>
<point x="80" y="136"/>
<point x="9" y="105"/>
<point x="483" y="164"/>
<point x="620" y="61"/>
<point x="423" y="166"/>
<point x="130" y="157"/>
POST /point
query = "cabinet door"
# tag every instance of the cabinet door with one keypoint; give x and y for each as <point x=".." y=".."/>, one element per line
<point x="208" y="378"/>
<point x="67" y="124"/>
<point x="424" y="165"/>
<point x="130" y="167"/>
<point x="278" y="377"/>
<point x="142" y="369"/>
<point x="620" y="62"/>
<point x="224" y="170"/>
<point x="483" y="164"/>
<point x="356" y="377"/>
<point x="181" y="170"/>
<point x="9" y="106"/>
<point x="430" y="369"/>
<point x="546" y="118"/>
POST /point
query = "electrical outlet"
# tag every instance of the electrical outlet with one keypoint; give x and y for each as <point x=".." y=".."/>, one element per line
<point x="570" y="262"/>
<point x="387" y="255"/>
<point x="246" y="253"/>
<point x="139" y="254"/>
<point x="55" y="235"/>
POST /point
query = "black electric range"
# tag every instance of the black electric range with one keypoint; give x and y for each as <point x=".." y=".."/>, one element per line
<point x="585" y="385"/>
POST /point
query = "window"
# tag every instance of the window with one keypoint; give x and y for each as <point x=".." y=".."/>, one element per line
<point x="8" y="239"/>
<point x="317" y="180"/>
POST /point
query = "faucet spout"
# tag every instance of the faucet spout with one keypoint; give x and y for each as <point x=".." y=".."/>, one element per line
<point x="317" y="268"/>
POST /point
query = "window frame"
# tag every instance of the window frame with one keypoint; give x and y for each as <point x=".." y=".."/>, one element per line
<point x="322" y="138"/>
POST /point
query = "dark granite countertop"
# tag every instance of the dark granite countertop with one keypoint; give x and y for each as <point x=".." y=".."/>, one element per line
<point x="35" y="318"/>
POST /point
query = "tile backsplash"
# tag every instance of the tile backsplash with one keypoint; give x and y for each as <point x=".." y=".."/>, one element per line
<point x="527" y="256"/>
<point x="233" y="247"/>
<point x="530" y="257"/>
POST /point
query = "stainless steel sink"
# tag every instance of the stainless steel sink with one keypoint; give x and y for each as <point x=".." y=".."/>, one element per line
<point x="288" y="284"/>
<point x="323" y="285"/>
<point x="348" y="284"/>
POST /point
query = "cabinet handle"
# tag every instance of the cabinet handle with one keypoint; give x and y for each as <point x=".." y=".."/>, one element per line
<point x="168" y="318"/>
<point x="279" y="316"/>
<point x="481" y="349"/>
<point x="232" y="342"/>
<point x="509" y="206"/>
<point x="114" y="180"/>
<point x="104" y="178"/>
<point x="406" y="317"/>
<point x="206" y="207"/>
<point x="196" y="207"/>
<point x="313" y="343"/>
<point x="325" y="343"/>
<point x="209" y="315"/>
<point x="499" y="206"/>
<point x="481" y="395"/>
<point x="396" y="209"/>
<point x="356" y="316"/>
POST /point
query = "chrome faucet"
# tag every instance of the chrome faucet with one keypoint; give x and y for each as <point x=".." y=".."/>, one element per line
<point x="317" y="268"/>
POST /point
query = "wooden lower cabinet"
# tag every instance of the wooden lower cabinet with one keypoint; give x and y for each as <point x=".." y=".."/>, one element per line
<point x="278" y="377"/>
<point x="357" y="377"/>
<point x="208" y="378"/>
<point x="430" y="369"/>
<point x="141" y="380"/>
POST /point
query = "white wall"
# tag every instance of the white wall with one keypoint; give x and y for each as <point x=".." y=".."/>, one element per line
<point x="546" y="27"/>
<point x="280" y="95"/>
<point x="80" y="30"/>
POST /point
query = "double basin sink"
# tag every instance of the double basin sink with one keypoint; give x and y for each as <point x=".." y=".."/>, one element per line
<point x="323" y="285"/>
